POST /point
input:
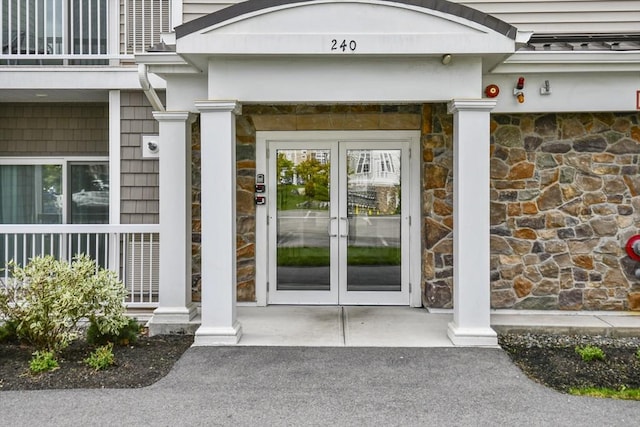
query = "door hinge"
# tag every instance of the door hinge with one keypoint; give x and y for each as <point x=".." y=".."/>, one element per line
<point x="267" y="286"/>
<point x="409" y="220"/>
<point x="409" y="287"/>
<point x="268" y="153"/>
<point x="268" y="219"/>
<point x="409" y="152"/>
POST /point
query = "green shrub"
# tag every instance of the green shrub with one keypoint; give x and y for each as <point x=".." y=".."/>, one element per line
<point x="127" y="334"/>
<point x="590" y="352"/>
<point x="8" y="332"/>
<point x="47" y="298"/>
<point x="43" y="361"/>
<point x="101" y="358"/>
<point x="638" y="354"/>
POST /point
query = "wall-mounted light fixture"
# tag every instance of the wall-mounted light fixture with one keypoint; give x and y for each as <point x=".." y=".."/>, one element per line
<point x="150" y="146"/>
<point x="446" y="59"/>
<point x="518" y="91"/>
<point x="546" y="88"/>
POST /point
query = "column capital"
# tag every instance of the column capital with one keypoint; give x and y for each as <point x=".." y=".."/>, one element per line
<point x="174" y="116"/>
<point x="229" y="105"/>
<point x="457" y="105"/>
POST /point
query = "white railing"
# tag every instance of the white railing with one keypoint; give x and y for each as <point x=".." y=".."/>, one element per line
<point x="79" y="32"/>
<point x="132" y="251"/>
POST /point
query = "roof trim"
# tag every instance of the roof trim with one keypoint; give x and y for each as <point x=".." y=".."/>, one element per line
<point x="251" y="6"/>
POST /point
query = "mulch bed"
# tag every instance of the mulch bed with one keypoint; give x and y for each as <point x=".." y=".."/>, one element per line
<point x="138" y="365"/>
<point x="548" y="359"/>
<point x="552" y="361"/>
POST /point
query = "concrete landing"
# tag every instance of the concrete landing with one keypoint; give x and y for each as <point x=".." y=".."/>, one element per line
<point x="364" y="326"/>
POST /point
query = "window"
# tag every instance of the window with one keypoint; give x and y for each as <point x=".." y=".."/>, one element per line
<point x="48" y="191"/>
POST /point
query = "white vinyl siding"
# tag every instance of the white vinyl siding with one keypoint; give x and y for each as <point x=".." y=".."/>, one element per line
<point x="192" y="9"/>
<point x="541" y="16"/>
<point x="567" y="16"/>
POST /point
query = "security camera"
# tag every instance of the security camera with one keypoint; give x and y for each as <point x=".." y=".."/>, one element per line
<point x="153" y="146"/>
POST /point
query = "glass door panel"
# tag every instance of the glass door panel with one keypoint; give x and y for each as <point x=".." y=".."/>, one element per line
<point x="337" y="219"/>
<point x="303" y="221"/>
<point x="373" y="215"/>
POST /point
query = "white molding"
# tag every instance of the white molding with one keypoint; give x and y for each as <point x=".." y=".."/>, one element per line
<point x="410" y="140"/>
<point x="114" y="157"/>
<point x="457" y="105"/>
<point x="177" y="11"/>
<point x="227" y="105"/>
<point x="212" y="335"/>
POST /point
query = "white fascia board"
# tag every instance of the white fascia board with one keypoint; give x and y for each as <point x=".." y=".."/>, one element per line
<point x="73" y="78"/>
<point x="167" y="63"/>
<point x="570" y="62"/>
<point x="354" y="79"/>
<point x="569" y="92"/>
<point x="356" y="44"/>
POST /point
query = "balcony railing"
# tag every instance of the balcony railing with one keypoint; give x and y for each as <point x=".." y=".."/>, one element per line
<point x="79" y="32"/>
<point x="132" y="251"/>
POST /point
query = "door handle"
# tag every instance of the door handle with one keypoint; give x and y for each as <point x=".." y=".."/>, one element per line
<point x="329" y="226"/>
<point x="346" y="221"/>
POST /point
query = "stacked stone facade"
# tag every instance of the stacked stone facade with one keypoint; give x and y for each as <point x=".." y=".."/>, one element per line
<point x="565" y="198"/>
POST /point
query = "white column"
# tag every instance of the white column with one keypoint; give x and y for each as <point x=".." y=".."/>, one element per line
<point x="175" y="308"/>
<point x="114" y="177"/>
<point x="471" y="285"/>
<point x="218" y="209"/>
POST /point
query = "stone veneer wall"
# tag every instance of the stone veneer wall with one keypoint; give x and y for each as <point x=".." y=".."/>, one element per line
<point x="284" y="117"/>
<point x="565" y="197"/>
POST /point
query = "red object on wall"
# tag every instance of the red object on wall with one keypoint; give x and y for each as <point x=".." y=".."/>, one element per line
<point x="630" y="243"/>
<point x="520" y="84"/>
<point x="492" y="91"/>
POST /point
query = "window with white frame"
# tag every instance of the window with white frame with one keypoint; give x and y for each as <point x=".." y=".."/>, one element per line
<point x="54" y="191"/>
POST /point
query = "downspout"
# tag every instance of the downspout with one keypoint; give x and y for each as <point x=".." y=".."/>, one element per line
<point x="149" y="91"/>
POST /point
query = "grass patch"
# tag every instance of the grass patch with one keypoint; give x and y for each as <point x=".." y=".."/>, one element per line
<point x="622" y="393"/>
<point x="288" y="197"/>
<point x="318" y="257"/>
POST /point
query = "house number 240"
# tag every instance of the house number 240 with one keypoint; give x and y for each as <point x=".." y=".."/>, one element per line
<point x="343" y="45"/>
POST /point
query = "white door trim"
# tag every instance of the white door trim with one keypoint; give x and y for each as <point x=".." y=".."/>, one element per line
<point x="412" y="138"/>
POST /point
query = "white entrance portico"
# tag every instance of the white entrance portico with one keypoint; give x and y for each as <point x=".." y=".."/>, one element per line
<point x="333" y="52"/>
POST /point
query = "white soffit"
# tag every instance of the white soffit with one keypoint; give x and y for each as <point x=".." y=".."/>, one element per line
<point x="352" y="27"/>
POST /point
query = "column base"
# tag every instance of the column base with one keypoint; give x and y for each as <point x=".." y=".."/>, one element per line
<point x="472" y="337"/>
<point x="214" y="336"/>
<point x="173" y="320"/>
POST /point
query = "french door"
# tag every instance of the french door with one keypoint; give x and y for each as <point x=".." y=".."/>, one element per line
<point x="338" y="218"/>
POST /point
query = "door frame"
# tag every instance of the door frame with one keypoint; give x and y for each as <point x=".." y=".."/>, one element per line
<point x="413" y="213"/>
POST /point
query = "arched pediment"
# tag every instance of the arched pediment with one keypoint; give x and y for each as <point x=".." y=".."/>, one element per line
<point x="357" y="27"/>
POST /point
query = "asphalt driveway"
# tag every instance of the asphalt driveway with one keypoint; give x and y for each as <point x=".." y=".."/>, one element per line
<point x="299" y="386"/>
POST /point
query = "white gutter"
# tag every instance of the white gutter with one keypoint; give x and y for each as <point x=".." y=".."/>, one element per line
<point x="149" y="91"/>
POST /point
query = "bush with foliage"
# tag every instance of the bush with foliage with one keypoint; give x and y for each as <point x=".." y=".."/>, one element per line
<point x="590" y="352"/>
<point x="101" y="358"/>
<point x="43" y="361"/>
<point x="8" y="332"/>
<point x="47" y="298"/>
<point x="127" y="334"/>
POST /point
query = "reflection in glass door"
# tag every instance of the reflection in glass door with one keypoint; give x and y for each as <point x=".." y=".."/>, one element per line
<point x="303" y="219"/>
<point x="373" y="212"/>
